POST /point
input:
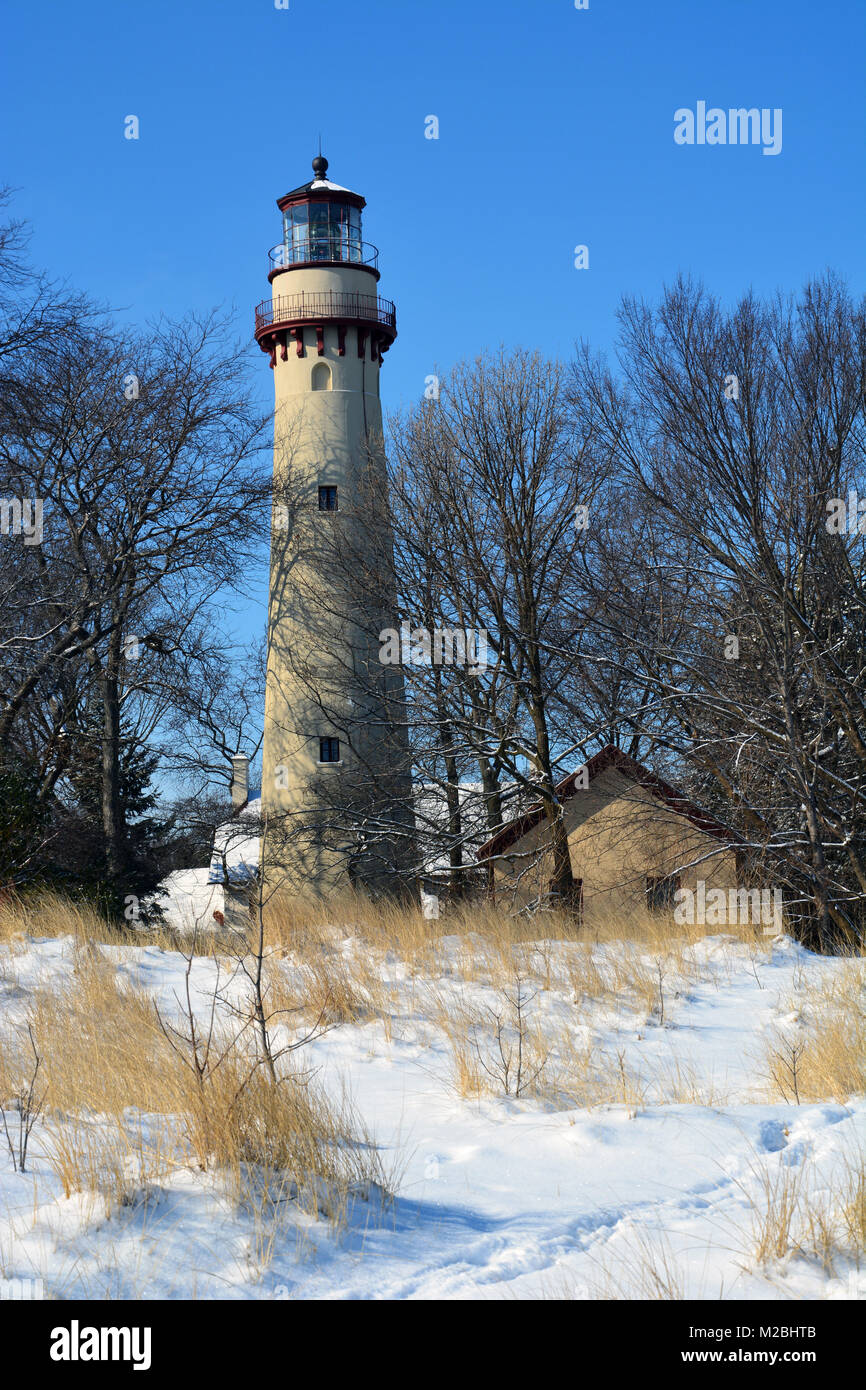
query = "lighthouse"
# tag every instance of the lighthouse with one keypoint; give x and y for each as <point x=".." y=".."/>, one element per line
<point x="336" y="788"/>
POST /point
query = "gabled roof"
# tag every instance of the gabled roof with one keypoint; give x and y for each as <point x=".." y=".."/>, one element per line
<point x="615" y="758"/>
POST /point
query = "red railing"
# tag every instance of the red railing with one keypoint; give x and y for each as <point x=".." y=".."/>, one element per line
<point x="326" y="304"/>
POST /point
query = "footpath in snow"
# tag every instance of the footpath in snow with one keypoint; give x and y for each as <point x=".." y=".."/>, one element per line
<point x="664" y="1193"/>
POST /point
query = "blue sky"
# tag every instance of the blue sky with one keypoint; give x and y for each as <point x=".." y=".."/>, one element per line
<point x="555" y="129"/>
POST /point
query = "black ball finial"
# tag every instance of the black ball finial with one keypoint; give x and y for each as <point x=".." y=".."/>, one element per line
<point x="320" y="166"/>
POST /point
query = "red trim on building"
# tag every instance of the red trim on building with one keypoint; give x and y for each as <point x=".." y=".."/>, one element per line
<point x="320" y="195"/>
<point x="611" y="757"/>
<point x="320" y="339"/>
<point x="341" y="340"/>
<point x="371" y="314"/>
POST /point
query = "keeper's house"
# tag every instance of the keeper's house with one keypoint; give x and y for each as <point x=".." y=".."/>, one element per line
<point x="635" y="842"/>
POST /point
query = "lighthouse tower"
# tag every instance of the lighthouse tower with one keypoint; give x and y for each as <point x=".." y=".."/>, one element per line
<point x="336" y="792"/>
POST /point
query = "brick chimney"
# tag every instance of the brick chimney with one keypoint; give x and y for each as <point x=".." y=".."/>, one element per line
<point x="240" y="781"/>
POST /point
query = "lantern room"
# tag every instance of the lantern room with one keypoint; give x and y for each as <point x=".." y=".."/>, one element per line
<point x="321" y="226"/>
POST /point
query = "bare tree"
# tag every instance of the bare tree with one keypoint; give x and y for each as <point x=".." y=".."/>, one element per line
<point x="738" y="434"/>
<point x="494" y="474"/>
<point x="143" y="453"/>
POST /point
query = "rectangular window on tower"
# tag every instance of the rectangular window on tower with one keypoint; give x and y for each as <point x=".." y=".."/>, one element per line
<point x="329" y="750"/>
<point x="327" y="499"/>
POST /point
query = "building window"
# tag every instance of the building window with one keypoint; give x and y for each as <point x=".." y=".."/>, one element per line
<point x="321" y="377"/>
<point x="322" y="231"/>
<point x="660" y="893"/>
<point x="328" y="499"/>
<point x="329" y="750"/>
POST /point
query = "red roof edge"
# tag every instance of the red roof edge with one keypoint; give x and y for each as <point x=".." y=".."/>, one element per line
<point x="610" y="757"/>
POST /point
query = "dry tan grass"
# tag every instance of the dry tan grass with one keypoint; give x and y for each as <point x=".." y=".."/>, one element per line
<point x="123" y="1108"/>
<point x="487" y="941"/>
<point x="102" y="1047"/>
<point x="117" y="1162"/>
<point x="627" y="979"/>
<point x="44" y="913"/>
<point x="294" y="923"/>
<point x="460" y="1021"/>
<point x="591" y="1077"/>
<point x="798" y="1212"/>
<point x="647" y="1271"/>
<point x="829" y="1033"/>
<point x="853" y="1204"/>
<point x="300" y="924"/>
<point x="560" y="1066"/>
<point x="680" y="1084"/>
<point x="493" y="1050"/>
<point x="284" y="1140"/>
<point x="266" y="1145"/>
<point x="325" y="989"/>
<point x="340" y="991"/>
<point x="777" y="1211"/>
<point x="273" y="1148"/>
<point x="641" y="965"/>
<point x="326" y="976"/>
<point x="655" y="931"/>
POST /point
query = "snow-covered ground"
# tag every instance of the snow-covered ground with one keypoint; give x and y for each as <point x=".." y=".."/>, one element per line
<point x="190" y="898"/>
<point x="496" y="1196"/>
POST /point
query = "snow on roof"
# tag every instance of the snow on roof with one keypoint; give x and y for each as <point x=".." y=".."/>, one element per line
<point x="325" y="185"/>
<point x="236" y="847"/>
<point x="432" y="817"/>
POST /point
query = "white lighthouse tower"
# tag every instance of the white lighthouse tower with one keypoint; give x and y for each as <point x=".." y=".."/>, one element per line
<point x="335" y="777"/>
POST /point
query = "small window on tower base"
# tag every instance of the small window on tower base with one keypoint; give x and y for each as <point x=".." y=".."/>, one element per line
<point x="329" y="750"/>
<point x="327" y="499"/>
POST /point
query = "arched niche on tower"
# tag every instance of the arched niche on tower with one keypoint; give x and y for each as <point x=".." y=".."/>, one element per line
<point x="320" y="378"/>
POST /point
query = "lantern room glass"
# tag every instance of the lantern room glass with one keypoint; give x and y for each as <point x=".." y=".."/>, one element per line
<point x="322" y="231"/>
